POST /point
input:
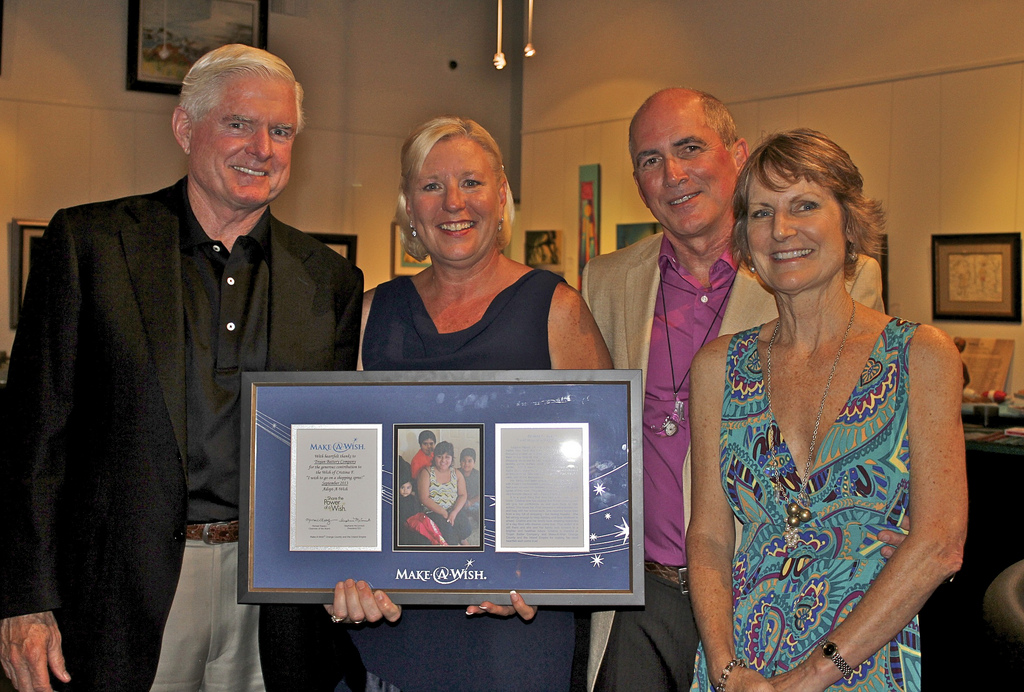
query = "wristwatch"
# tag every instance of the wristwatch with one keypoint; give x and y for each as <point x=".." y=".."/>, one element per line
<point x="831" y="651"/>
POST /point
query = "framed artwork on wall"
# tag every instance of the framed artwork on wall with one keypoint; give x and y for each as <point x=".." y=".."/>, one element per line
<point x="402" y="263"/>
<point x="165" y="37"/>
<point x="544" y="250"/>
<point x="976" y="277"/>
<point x="344" y="245"/>
<point x="590" y="216"/>
<point x="628" y="233"/>
<point x="24" y="237"/>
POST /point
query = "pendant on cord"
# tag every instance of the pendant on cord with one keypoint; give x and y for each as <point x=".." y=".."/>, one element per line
<point x="671" y="425"/>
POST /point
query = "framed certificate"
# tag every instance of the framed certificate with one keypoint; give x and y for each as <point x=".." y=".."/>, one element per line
<point x="444" y="487"/>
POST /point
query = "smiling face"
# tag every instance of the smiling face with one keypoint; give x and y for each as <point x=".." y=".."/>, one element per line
<point x="427" y="446"/>
<point x="443" y="461"/>
<point x="240" y="152"/>
<point x="456" y="203"/>
<point x="796" y="236"/>
<point x="467" y="464"/>
<point x="683" y="170"/>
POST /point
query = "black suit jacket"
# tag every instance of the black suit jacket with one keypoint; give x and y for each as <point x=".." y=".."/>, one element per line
<point x="93" y="487"/>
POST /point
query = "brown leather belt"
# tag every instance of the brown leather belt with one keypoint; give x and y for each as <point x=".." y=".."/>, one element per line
<point x="213" y="534"/>
<point x="676" y="575"/>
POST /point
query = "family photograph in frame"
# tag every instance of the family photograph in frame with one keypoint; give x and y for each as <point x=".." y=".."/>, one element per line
<point x="437" y="487"/>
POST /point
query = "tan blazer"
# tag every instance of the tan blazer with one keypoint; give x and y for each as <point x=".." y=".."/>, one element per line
<point x="621" y="289"/>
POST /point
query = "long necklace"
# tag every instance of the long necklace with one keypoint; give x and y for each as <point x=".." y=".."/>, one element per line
<point x="799" y="512"/>
<point x="671" y="424"/>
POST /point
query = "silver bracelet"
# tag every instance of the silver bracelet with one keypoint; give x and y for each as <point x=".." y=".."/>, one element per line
<point x="736" y="662"/>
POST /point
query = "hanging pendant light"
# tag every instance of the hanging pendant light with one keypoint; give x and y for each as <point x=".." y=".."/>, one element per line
<point x="529" y="50"/>
<point x="499" y="57"/>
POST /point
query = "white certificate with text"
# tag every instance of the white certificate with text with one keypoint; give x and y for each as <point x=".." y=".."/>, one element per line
<point x="335" y="487"/>
<point x="541" y="482"/>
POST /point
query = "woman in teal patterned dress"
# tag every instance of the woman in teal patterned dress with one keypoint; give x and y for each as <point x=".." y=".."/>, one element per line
<point x="807" y="430"/>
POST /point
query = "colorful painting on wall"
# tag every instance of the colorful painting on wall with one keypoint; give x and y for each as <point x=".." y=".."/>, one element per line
<point x="590" y="216"/>
<point x="165" y="37"/>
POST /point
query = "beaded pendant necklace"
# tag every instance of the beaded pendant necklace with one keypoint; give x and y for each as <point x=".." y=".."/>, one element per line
<point x="799" y="512"/>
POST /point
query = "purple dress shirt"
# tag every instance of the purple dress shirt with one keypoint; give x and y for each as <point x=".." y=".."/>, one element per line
<point x="694" y="316"/>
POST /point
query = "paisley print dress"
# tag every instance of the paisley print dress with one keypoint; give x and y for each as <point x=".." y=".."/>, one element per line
<point x="787" y="601"/>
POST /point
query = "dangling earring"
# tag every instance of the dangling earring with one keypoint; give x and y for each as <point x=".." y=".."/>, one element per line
<point x="753" y="269"/>
<point x="413" y="229"/>
<point x="499" y="225"/>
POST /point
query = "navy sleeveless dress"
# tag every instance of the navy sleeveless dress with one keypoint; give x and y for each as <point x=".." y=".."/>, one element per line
<point x="441" y="648"/>
<point x="511" y="335"/>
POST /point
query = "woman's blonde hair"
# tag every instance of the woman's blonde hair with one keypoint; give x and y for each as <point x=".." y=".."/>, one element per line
<point x="414" y="152"/>
<point x="804" y="154"/>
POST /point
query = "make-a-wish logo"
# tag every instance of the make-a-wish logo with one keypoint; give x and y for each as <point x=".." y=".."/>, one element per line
<point x="442" y="575"/>
<point x="348" y="446"/>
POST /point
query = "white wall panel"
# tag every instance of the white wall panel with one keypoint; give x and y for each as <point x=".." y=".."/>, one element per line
<point x="980" y="150"/>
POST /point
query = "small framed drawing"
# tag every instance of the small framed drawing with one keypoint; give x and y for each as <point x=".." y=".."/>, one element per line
<point x="976" y="277"/>
<point x="165" y="37"/>
<point x="628" y="233"/>
<point x="544" y="250"/>
<point x="344" y="245"/>
<point x="24" y="237"/>
<point x="402" y="263"/>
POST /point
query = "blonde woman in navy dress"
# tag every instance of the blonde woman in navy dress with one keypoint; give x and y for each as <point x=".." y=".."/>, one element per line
<point x="817" y="431"/>
<point x="473" y="308"/>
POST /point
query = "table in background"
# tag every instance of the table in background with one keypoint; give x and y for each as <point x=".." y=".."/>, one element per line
<point x="955" y="645"/>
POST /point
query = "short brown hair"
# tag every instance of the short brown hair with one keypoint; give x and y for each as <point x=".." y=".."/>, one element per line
<point x="803" y="154"/>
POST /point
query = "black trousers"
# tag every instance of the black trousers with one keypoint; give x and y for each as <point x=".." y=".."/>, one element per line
<point x="654" y="647"/>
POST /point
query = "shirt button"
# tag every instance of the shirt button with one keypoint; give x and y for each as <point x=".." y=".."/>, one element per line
<point x="216" y="248"/>
<point x="231" y="326"/>
<point x="703" y="299"/>
<point x="231" y="281"/>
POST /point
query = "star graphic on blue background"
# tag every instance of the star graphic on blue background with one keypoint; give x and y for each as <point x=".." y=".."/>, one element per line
<point x="600" y="490"/>
<point x="597" y="560"/>
<point x="607" y="515"/>
<point x="593" y="536"/>
<point x="469" y="563"/>
<point x="623" y="531"/>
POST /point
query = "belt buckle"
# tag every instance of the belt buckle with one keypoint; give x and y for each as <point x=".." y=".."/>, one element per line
<point x="684" y="581"/>
<point x="206" y="532"/>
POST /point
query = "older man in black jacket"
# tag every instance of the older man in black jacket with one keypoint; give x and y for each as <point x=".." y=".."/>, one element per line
<point x="121" y="459"/>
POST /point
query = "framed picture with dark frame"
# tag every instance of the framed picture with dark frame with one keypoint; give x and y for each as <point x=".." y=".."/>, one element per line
<point x="166" y="37"/>
<point x="344" y="245"/>
<point x="448" y="448"/>
<point x="976" y="277"/>
<point x="24" y="236"/>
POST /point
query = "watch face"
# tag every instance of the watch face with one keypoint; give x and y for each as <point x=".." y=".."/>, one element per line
<point x="828" y="649"/>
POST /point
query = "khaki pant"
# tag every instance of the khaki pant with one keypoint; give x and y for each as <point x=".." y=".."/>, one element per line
<point x="210" y="642"/>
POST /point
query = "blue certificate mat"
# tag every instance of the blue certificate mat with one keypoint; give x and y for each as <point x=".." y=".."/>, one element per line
<point x="443" y="487"/>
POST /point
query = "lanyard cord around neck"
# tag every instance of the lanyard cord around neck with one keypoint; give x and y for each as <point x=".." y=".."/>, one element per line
<point x="668" y="337"/>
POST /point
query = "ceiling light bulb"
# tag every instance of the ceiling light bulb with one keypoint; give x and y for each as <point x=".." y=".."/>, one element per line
<point x="529" y="51"/>
<point x="499" y="60"/>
